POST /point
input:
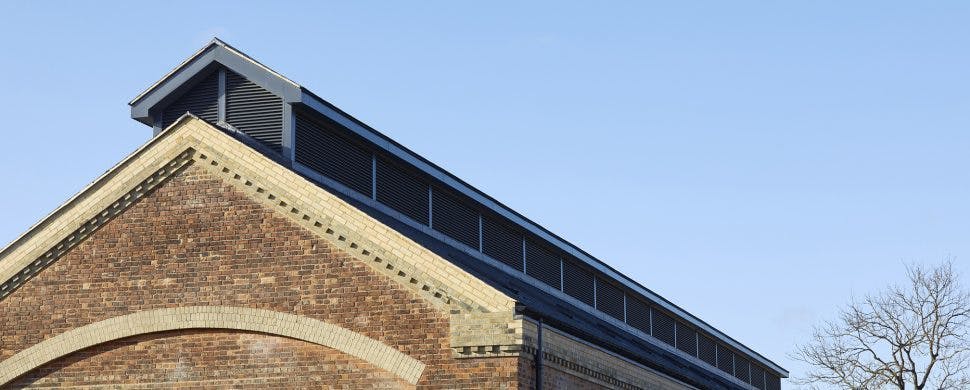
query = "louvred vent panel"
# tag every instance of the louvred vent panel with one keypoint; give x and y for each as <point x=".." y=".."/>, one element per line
<point x="202" y="100"/>
<point x="402" y="191"/>
<point x="320" y="147"/>
<point x="502" y="243"/>
<point x="254" y="111"/>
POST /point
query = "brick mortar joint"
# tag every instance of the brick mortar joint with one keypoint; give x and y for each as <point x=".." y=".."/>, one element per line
<point x="127" y="168"/>
<point x="566" y="351"/>
<point x="593" y="374"/>
<point x="87" y="223"/>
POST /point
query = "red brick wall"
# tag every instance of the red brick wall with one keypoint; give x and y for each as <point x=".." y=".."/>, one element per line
<point x="198" y="241"/>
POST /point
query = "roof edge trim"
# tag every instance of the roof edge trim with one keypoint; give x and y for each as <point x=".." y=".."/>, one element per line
<point x="107" y="175"/>
<point x="215" y="42"/>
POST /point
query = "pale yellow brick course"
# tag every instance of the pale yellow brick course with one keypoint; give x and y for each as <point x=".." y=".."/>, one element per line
<point x="214" y="317"/>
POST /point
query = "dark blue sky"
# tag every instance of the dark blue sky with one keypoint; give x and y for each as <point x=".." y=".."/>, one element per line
<point x="758" y="163"/>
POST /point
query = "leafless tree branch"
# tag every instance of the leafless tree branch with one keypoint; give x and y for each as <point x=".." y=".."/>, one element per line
<point x="913" y="336"/>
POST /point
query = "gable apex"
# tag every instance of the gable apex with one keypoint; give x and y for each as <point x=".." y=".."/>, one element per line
<point x="215" y="54"/>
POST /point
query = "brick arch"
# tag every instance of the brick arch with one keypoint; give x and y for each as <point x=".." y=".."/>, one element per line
<point x="213" y="317"/>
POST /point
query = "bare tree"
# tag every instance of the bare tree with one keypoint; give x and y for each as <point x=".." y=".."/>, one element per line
<point x="913" y="336"/>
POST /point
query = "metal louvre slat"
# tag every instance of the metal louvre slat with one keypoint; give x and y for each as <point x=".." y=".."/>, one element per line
<point x="638" y="314"/>
<point x="402" y="191"/>
<point x="757" y="376"/>
<point x="319" y="147"/>
<point x="542" y="264"/>
<point x="741" y="368"/>
<point x="202" y="100"/>
<point x="577" y="282"/>
<point x="773" y="383"/>
<point x="725" y="359"/>
<point x="707" y="350"/>
<point x="501" y="243"/>
<point x="663" y="326"/>
<point x="454" y="218"/>
<point x="686" y="339"/>
<point x="609" y="299"/>
<point x="254" y="111"/>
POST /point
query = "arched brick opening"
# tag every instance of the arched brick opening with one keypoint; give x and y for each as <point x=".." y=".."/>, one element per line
<point x="213" y="317"/>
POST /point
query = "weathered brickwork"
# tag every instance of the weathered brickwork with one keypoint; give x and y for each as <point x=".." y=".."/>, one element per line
<point x="555" y="378"/>
<point x="569" y="359"/>
<point x="197" y="241"/>
<point x="210" y="358"/>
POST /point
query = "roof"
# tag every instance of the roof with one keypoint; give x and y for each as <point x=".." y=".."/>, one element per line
<point x="218" y="53"/>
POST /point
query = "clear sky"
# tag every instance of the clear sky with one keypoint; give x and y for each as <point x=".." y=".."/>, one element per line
<point x="757" y="163"/>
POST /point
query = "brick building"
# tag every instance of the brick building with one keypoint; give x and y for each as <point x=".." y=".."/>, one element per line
<point x="263" y="237"/>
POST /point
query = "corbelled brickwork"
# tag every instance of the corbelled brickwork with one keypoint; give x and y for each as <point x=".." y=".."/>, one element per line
<point x="572" y="363"/>
<point x="486" y="334"/>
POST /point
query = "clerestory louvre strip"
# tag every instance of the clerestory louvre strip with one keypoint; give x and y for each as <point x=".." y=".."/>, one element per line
<point x="707" y="350"/>
<point x="502" y="243"/>
<point x="638" y="314"/>
<point x="327" y="148"/>
<point x="609" y="299"/>
<point x="543" y="264"/>
<point x="321" y="147"/>
<point x="742" y="369"/>
<point x="686" y="339"/>
<point x="757" y="377"/>
<point x="454" y="218"/>
<point x="401" y="191"/>
<point x="254" y="111"/>
<point x="202" y="100"/>
<point x="663" y="326"/>
<point x="578" y="283"/>
<point x="725" y="359"/>
<point x="773" y="382"/>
